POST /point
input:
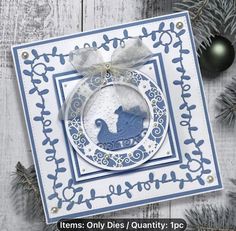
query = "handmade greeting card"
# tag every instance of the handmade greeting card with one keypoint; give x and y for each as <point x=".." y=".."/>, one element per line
<point x="117" y="117"/>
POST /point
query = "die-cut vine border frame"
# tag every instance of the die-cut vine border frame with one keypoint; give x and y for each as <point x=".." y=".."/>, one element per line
<point x="186" y="121"/>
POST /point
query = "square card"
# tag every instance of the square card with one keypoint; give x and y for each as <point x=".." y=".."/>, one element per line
<point x="174" y="158"/>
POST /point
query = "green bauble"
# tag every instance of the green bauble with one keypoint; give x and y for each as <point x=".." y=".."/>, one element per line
<point x="218" y="56"/>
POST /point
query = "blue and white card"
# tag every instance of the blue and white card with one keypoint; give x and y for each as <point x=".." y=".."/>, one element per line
<point x="155" y="144"/>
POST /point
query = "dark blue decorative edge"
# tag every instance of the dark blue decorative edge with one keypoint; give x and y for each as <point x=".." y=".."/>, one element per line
<point x="117" y="191"/>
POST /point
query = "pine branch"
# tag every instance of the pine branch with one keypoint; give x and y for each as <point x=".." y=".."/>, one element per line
<point x="211" y="218"/>
<point x="227" y="12"/>
<point x="52" y="227"/>
<point x="26" y="196"/>
<point x="232" y="195"/>
<point x="200" y="12"/>
<point x="209" y="18"/>
<point x="25" y="192"/>
<point x="226" y="104"/>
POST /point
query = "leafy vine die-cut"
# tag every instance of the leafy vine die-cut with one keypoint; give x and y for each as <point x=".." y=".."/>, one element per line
<point x="194" y="164"/>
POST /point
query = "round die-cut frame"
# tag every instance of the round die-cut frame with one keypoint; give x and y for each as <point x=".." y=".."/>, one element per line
<point x="125" y="158"/>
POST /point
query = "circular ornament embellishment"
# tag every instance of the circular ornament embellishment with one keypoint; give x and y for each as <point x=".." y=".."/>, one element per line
<point x="117" y="122"/>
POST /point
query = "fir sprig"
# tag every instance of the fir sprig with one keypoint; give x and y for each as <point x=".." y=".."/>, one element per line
<point x="210" y="18"/>
<point x="226" y="104"/>
<point x="232" y="195"/>
<point x="227" y="13"/>
<point x="211" y="218"/>
<point x="200" y="12"/>
<point x="26" y="196"/>
<point x="25" y="183"/>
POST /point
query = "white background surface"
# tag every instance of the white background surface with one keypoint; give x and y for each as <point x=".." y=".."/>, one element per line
<point x="25" y="21"/>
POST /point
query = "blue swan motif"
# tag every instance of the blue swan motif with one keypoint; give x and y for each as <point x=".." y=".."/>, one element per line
<point x="129" y="129"/>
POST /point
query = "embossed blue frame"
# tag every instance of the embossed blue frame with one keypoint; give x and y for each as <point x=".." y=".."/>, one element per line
<point x="141" y="185"/>
<point x="173" y="151"/>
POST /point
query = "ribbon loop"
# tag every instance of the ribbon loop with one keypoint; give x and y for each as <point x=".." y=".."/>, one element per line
<point x="89" y="60"/>
<point x="90" y="63"/>
<point x="86" y="60"/>
<point x="134" y="54"/>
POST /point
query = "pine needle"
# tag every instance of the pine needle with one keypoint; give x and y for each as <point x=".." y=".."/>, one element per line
<point x="226" y="104"/>
<point x="211" y="218"/>
<point x="26" y="196"/>
<point x="25" y="192"/>
<point x="209" y="18"/>
<point x="232" y="195"/>
<point x="199" y="11"/>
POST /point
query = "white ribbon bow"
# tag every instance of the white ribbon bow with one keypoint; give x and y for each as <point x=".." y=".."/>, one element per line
<point x="89" y="61"/>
